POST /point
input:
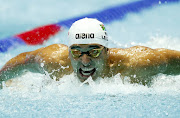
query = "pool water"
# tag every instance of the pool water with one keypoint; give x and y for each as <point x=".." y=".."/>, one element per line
<point x="36" y="95"/>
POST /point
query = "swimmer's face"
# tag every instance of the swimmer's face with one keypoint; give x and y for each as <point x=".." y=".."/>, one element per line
<point x="88" y="60"/>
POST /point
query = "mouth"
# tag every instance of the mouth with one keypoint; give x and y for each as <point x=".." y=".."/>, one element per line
<point x="86" y="72"/>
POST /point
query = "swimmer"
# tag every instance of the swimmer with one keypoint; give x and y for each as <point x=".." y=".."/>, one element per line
<point x="88" y="55"/>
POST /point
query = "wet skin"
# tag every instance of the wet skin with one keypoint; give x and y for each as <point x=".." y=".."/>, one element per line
<point x="85" y="65"/>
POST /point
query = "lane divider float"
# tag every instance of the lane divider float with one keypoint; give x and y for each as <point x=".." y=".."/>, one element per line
<point x="40" y="34"/>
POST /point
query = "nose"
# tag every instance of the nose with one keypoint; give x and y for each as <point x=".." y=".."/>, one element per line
<point x="85" y="59"/>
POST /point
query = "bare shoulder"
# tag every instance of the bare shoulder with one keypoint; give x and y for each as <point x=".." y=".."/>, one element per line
<point x="142" y="56"/>
<point x="55" y="59"/>
<point x="169" y="53"/>
<point x="57" y="53"/>
<point x="132" y="52"/>
<point x="144" y="62"/>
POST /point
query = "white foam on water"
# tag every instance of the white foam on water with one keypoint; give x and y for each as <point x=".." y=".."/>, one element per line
<point x="167" y="42"/>
<point x="70" y="85"/>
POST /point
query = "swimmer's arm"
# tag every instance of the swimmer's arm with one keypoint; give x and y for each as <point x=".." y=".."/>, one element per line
<point x="173" y="61"/>
<point x="152" y="61"/>
<point x="53" y="60"/>
<point x="18" y="65"/>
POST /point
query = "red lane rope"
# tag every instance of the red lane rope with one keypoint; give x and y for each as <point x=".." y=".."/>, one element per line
<point x="39" y="35"/>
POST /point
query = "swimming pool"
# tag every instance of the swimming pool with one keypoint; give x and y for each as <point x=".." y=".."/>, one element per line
<point x="39" y="96"/>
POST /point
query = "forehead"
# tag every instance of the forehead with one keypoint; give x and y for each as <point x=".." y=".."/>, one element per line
<point x="85" y="46"/>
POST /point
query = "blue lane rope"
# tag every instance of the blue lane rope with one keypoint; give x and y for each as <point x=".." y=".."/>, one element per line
<point x="106" y="16"/>
<point x="118" y="12"/>
<point x="10" y="43"/>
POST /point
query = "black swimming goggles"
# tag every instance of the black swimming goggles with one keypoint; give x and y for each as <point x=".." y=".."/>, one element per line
<point x="93" y="52"/>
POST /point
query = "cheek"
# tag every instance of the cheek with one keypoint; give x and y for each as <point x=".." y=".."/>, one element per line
<point x="99" y="63"/>
<point x="74" y="63"/>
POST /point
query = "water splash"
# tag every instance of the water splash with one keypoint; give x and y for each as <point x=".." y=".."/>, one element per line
<point x="70" y="85"/>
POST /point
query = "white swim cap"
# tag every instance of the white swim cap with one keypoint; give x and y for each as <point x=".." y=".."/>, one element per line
<point x="87" y="31"/>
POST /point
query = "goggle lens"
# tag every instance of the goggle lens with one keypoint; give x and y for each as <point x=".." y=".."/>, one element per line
<point x="75" y="53"/>
<point x="93" y="53"/>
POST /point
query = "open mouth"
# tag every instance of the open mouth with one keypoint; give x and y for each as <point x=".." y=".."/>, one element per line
<point x="86" y="72"/>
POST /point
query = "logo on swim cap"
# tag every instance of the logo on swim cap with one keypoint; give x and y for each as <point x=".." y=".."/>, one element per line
<point x="84" y="35"/>
<point x="88" y="31"/>
<point x="102" y="26"/>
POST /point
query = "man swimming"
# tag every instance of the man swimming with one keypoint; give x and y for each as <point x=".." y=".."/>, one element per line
<point x="88" y="56"/>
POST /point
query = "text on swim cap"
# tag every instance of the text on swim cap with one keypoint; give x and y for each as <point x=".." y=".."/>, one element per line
<point x="84" y="35"/>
